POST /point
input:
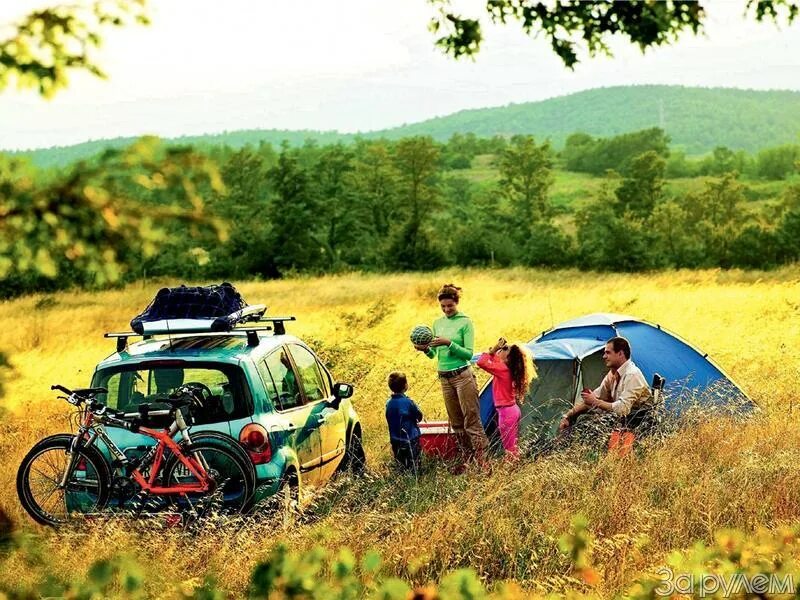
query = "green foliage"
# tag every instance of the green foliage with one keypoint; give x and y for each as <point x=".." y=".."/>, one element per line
<point x="586" y="154"/>
<point x="156" y="210"/>
<point x="788" y="237"/>
<point x="479" y="225"/>
<point x="102" y="217"/>
<point x="48" y="44"/>
<point x="735" y="564"/>
<point x="119" y="576"/>
<point x="709" y="228"/>
<point x="342" y="213"/>
<point x="677" y="165"/>
<point x="643" y="187"/>
<point x="375" y="182"/>
<point x="547" y="246"/>
<point x="317" y="574"/>
<point x="779" y="162"/>
<point x="291" y="244"/>
<point x="413" y="245"/>
<point x="570" y="25"/>
<point x="610" y="241"/>
<point x="525" y="180"/>
<point x="245" y="207"/>
<point x="724" y="160"/>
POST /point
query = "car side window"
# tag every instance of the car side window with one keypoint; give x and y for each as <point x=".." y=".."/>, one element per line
<point x="284" y="381"/>
<point x="269" y="383"/>
<point x="309" y="374"/>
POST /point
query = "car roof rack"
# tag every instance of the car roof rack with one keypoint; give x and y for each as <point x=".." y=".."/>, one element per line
<point x="277" y="326"/>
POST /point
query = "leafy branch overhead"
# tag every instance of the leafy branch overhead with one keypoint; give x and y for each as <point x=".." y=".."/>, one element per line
<point x="572" y="25"/>
<point x="105" y="214"/>
<point x="45" y="46"/>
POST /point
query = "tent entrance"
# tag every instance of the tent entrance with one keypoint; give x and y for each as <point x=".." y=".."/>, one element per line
<point x="551" y="395"/>
<point x="554" y="391"/>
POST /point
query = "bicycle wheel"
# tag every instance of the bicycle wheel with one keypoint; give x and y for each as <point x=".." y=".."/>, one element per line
<point x="231" y="491"/>
<point x="220" y="439"/>
<point x="40" y="476"/>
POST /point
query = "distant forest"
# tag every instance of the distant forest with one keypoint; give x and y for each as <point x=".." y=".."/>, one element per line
<point x="394" y="205"/>
<point x="697" y="120"/>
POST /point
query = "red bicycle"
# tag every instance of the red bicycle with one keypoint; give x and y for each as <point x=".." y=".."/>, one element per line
<point x="65" y="475"/>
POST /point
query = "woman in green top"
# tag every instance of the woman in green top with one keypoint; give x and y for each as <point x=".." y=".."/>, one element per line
<point x="452" y="346"/>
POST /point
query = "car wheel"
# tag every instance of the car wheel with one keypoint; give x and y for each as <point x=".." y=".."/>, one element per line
<point x="355" y="460"/>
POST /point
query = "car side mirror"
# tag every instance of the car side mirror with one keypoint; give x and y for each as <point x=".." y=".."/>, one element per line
<point x="342" y="391"/>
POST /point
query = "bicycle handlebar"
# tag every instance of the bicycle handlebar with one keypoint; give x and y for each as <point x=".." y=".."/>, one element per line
<point x="130" y="421"/>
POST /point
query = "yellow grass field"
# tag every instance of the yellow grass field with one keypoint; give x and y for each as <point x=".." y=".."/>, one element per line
<point x="506" y="525"/>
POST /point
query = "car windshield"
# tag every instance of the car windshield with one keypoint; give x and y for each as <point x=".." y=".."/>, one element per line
<point x="222" y="386"/>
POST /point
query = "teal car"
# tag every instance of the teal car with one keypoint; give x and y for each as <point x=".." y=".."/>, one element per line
<point x="269" y="392"/>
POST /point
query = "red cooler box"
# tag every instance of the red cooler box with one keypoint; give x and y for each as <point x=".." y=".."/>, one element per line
<point x="438" y="440"/>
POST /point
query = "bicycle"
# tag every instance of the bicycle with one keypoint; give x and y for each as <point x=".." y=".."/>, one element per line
<point x="66" y="474"/>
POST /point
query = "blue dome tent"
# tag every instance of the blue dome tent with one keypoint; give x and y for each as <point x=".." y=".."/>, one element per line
<point x="568" y="358"/>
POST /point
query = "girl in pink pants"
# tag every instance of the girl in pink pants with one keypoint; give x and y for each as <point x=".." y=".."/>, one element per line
<point x="508" y="366"/>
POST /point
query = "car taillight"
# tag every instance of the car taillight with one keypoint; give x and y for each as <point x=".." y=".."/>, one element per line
<point x="255" y="439"/>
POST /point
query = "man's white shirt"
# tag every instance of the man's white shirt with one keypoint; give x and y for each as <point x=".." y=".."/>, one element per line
<point x="626" y="391"/>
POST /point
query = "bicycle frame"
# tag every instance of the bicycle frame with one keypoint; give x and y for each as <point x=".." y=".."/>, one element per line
<point x="153" y="458"/>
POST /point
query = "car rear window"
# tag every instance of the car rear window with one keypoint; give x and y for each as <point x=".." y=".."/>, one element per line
<point x="130" y="385"/>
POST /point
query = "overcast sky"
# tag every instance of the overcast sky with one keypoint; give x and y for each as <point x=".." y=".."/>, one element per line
<point x="206" y="66"/>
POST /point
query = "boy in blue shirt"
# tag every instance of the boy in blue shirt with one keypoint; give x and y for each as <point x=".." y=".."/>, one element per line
<point x="402" y="416"/>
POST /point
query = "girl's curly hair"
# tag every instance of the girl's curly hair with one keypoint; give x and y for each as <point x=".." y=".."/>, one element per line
<point x="518" y="368"/>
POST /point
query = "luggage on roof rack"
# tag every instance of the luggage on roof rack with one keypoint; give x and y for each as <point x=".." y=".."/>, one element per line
<point x="188" y="309"/>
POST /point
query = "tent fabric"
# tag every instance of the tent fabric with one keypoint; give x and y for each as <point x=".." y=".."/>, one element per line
<point x="566" y="349"/>
<point x="610" y="319"/>
<point x="568" y="357"/>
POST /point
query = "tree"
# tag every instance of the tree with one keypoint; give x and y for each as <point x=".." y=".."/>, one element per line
<point x="246" y="208"/>
<point x="570" y="25"/>
<point x="609" y="238"/>
<point x="586" y="154"/>
<point x="460" y="150"/>
<point x="643" y="188"/>
<point x="94" y="218"/>
<point x="293" y="213"/>
<point x="788" y="236"/>
<point x="577" y="147"/>
<point x="716" y="216"/>
<point x="375" y="183"/>
<point x="778" y="162"/>
<point x="47" y="45"/>
<point x="608" y="241"/>
<point x="525" y="179"/>
<point x="678" y="166"/>
<point x="417" y="161"/>
<point x="340" y="214"/>
<point x="476" y="224"/>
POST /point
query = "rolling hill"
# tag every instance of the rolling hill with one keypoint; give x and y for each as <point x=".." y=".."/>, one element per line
<point x="696" y="119"/>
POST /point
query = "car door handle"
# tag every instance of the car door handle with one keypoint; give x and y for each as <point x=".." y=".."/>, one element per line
<point x="322" y="420"/>
<point x="288" y="426"/>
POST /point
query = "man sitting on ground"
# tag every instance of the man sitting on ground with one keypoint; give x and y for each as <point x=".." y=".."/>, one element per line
<point x="623" y="391"/>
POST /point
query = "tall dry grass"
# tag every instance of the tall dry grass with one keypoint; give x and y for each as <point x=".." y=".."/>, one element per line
<point x="506" y="525"/>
